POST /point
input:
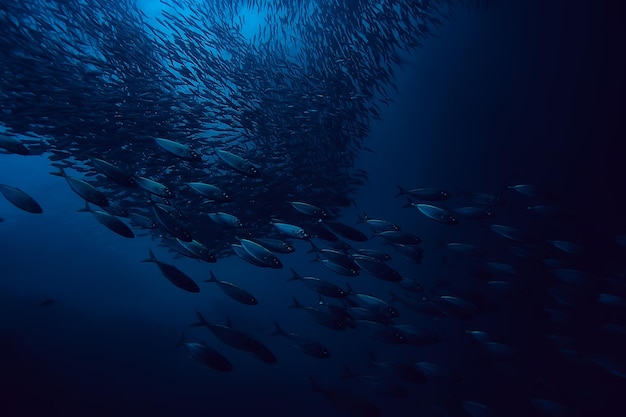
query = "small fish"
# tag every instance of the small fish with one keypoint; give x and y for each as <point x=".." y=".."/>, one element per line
<point x="170" y="224"/>
<point x="321" y="314"/>
<point x="9" y="143"/>
<point x="346" y="231"/>
<point x="178" y="149"/>
<point x="236" y="293"/>
<point x="114" y="173"/>
<point x="436" y="213"/>
<point x="376" y="268"/>
<point x="471" y="212"/>
<point x="154" y="187"/>
<point x="303" y="344"/>
<point x="173" y="274"/>
<point x="85" y="190"/>
<point x="309" y="209"/>
<point x="20" y="199"/>
<point x="276" y="245"/>
<point x="243" y="254"/>
<point x="381" y="332"/>
<point x="210" y="191"/>
<point x="378" y="225"/>
<point x="238" y="164"/>
<point x="291" y="230"/>
<point x="225" y="219"/>
<point x="320" y="286"/>
<point x="425" y="194"/>
<point x="206" y="355"/>
<point x="109" y="221"/>
<point x="402" y="238"/>
<point x="260" y="253"/>
<point x="198" y="250"/>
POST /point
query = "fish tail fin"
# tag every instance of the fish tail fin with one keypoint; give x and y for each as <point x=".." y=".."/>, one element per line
<point x="347" y="373"/>
<point x="279" y="331"/>
<point x="152" y="258"/>
<point x="201" y="321"/>
<point x="295" y="276"/>
<point x="296" y="303"/>
<point x="401" y="191"/>
<point x="85" y="209"/>
<point x="212" y="277"/>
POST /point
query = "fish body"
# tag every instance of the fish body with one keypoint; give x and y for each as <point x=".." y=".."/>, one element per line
<point x="291" y="230"/>
<point x="225" y="219"/>
<point x="276" y="245"/>
<point x="206" y="355"/>
<point x="170" y="224"/>
<point x="309" y="209"/>
<point x="320" y="286"/>
<point x="85" y="190"/>
<point x="178" y="149"/>
<point x="376" y="268"/>
<point x="436" y="213"/>
<point x="260" y="253"/>
<point x="153" y="187"/>
<point x="174" y="275"/>
<point x="239" y="164"/>
<point x="303" y="344"/>
<point x="114" y="173"/>
<point x="210" y="191"/>
<point x="20" y="199"/>
<point x="9" y="143"/>
<point x="109" y="221"/>
<point x="243" y="254"/>
<point x="346" y="231"/>
<point x="424" y="194"/>
<point x="198" y="250"/>
<point x="236" y="293"/>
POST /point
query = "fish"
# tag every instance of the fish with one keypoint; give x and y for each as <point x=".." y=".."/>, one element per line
<point x="114" y="173"/>
<point x="237" y="339"/>
<point x="206" y="355"/>
<point x="12" y="145"/>
<point x="290" y="230"/>
<point x="178" y="149"/>
<point x="399" y="237"/>
<point x="170" y="224"/>
<point x="174" y="275"/>
<point x="320" y="314"/>
<point x="381" y="332"/>
<point x="320" y="286"/>
<point x="153" y="187"/>
<point x="424" y="194"/>
<point x="212" y="192"/>
<point x="436" y="213"/>
<point x="20" y="199"/>
<point x="238" y="163"/>
<point x="303" y="344"/>
<point x="378" y="225"/>
<point x="198" y="250"/>
<point x="245" y="255"/>
<point x="275" y="245"/>
<point x="236" y="293"/>
<point x="85" y="190"/>
<point x="260" y="253"/>
<point x="376" y="268"/>
<point x="346" y="231"/>
<point x="309" y="209"/>
<point x="471" y="212"/>
<point x="109" y="221"/>
<point x="225" y="219"/>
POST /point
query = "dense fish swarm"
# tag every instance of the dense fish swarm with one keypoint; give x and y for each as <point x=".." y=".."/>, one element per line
<point x="222" y="138"/>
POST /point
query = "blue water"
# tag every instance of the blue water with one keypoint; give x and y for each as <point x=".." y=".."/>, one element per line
<point x="521" y="92"/>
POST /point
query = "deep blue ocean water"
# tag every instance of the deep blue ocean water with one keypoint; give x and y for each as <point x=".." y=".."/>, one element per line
<point x="522" y="92"/>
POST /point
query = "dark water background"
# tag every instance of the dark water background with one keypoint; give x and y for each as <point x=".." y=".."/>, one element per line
<point x="523" y="92"/>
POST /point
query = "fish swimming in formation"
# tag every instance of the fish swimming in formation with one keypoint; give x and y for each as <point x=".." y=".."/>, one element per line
<point x="109" y="221"/>
<point x="238" y="163"/>
<point x="178" y="149"/>
<point x="206" y="355"/>
<point x="85" y="190"/>
<point x="236" y="293"/>
<point x="173" y="274"/>
<point x="20" y="199"/>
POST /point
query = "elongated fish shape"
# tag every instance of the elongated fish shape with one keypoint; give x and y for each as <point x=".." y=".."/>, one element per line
<point x="236" y="293"/>
<point x="20" y="199"/>
<point x="260" y="253"/>
<point x="206" y="355"/>
<point x="238" y="164"/>
<point x="320" y="286"/>
<point x="173" y="274"/>
<point x="436" y="213"/>
<point x="225" y="219"/>
<point x="309" y="209"/>
<point x="210" y="191"/>
<point x="276" y="245"/>
<point x="243" y="254"/>
<point x="9" y="143"/>
<point x="170" y="224"/>
<point x="237" y="339"/>
<point x="376" y="268"/>
<point x="154" y="187"/>
<point x="346" y="231"/>
<point x="381" y="332"/>
<point x="425" y="194"/>
<point x="109" y="221"/>
<point x="198" y="250"/>
<point x="83" y="189"/>
<point x="291" y="230"/>
<point x="377" y="225"/>
<point x="178" y="149"/>
<point x="114" y="173"/>
<point x="303" y="344"/>
<point x="321" y="315"/>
